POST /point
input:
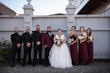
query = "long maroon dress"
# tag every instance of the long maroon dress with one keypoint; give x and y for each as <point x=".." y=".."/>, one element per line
<point x="83" y="53"/>
<point x="90" y="52"/>
<point x="74" y="52"/>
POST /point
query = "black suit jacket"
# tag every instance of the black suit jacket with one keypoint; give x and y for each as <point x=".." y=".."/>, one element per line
<point x="26" y="37"/>
<point x="16" y="38"/>
<point x="36" y="36"/>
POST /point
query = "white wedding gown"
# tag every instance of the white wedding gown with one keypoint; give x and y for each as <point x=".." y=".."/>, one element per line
<point x="59" y="57"/>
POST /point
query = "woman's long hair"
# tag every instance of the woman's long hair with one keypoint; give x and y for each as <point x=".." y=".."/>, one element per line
<point x="90" y="32"/>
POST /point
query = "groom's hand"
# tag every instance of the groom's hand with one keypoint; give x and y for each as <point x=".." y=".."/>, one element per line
<point x="45" y="46"/>
<point x="19" y="45"/>
<point x="28" y="45"/>
<point x="38" y="43"/>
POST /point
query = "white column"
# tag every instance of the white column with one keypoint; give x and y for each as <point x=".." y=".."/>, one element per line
<point x="70" y="14"/>
<point x="28" y="13"/>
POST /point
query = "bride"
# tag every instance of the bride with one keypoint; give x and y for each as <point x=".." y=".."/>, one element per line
<point x="59" y="56"/>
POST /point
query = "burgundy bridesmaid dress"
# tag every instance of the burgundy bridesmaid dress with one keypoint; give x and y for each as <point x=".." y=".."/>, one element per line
<point x="83" y="53"/>
<point x="90" y="52"/>
<point x="74" y="52"/>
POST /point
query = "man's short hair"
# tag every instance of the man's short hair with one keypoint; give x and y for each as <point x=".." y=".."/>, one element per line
<point x="37" y="25"/>
<point x="49" y="27"/>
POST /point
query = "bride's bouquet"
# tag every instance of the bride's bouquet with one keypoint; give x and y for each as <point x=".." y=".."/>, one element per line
<point x="90" y="38"/>
<point x="70" y="40"/>
<point x="59" y="42"/>
<point x="81" y="37"/>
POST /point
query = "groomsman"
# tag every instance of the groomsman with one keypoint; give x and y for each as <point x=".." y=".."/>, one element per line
<point x="27" y="40"/>
<point x="47" y="41"/>
<point x="16" y="46"/>
<point x="36" y="37"/>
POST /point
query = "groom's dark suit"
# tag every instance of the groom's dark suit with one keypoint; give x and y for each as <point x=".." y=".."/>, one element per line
<point x="47" y="39"/>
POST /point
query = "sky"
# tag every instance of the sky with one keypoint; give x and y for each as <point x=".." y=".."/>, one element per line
<point x="41" y="7"/>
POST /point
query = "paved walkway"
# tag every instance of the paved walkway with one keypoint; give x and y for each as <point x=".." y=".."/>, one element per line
<point x="98" y="67"/>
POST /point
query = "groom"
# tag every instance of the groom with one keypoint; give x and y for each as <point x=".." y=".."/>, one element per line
<point x="47" y="41"/>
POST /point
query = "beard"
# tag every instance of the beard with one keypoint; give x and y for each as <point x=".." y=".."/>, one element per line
<point x="49" y="31"/>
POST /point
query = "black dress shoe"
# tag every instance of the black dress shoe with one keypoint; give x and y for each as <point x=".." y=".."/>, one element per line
<point x="18" y="62"/>
<point x="33" y="64"/>
<point x="49" y="64"/>
<point x="46" y="65"/>
<point x="29" y="63"/>
<point x="23" y="64"/>
<point x="12" y="65"/>
<point x="40" y="63"/>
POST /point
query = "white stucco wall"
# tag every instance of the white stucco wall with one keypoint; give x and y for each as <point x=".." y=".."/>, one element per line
<point x="7" y="25"/>
<point x="53" y="21"/>
<point x="99" y="24"/>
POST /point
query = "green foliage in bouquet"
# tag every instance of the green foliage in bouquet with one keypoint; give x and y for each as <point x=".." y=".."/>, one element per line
<point x="5" y="51"/>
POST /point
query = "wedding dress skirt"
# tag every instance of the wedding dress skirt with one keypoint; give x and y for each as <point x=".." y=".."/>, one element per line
<point x="59" y="57"/>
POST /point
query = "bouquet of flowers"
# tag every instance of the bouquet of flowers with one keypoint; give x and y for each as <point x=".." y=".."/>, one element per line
<point x="80" y="37"/>
<point x="59" y="42"/>
<point x="70" y="40"/>
<point x="90" y="38"/>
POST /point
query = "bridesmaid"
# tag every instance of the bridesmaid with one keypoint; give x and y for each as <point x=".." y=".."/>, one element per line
<point x="73" y="46"/>
<point x="83" y="53"/>
<point x="90" y="40"/>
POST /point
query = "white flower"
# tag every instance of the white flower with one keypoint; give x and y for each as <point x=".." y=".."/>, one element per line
<point x="58" y="42"/>
<point x="70" y="40"/>
<point x="90" y="38"/>
<point x="80" y="37"/>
